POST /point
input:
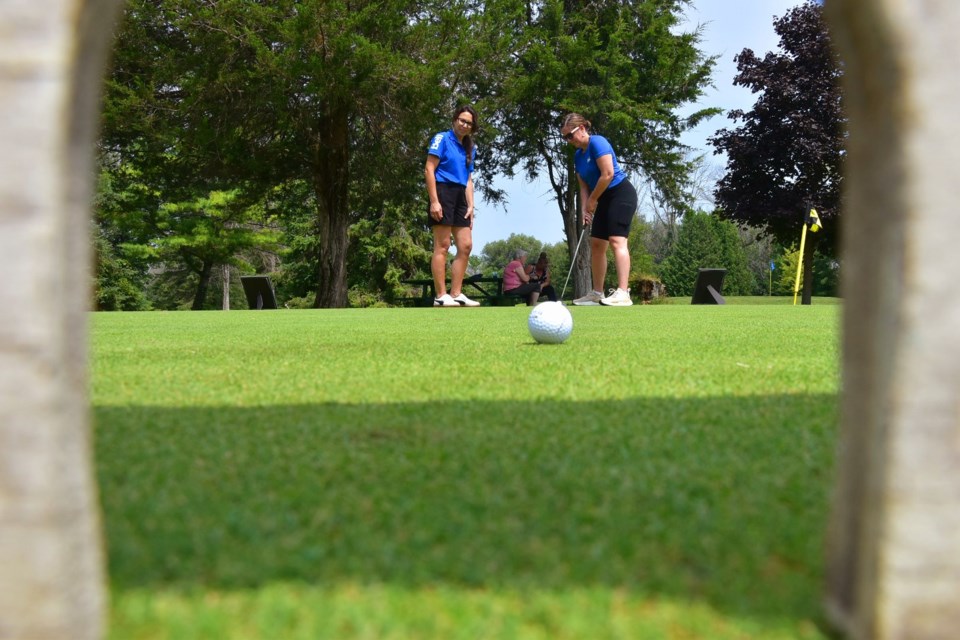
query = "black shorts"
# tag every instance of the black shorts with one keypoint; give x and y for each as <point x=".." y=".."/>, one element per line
<point x="524" y="289"/>
<point x="453" y="201"/>
<point x="615" y="212"/>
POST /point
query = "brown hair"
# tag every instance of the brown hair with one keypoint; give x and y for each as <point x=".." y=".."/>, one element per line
<point x="467" y="140"/>
<point x="576" y="120"/>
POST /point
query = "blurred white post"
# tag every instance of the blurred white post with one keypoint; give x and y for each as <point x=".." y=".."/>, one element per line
<point x="894" y="539"/>
<point x="51" y="559"/>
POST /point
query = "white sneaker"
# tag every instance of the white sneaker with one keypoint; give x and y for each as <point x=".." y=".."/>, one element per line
<point x="592" y="299"/>
<point x="464" y="301"/>
<point x="445" y="301"/>
<point x="617" y="298"/>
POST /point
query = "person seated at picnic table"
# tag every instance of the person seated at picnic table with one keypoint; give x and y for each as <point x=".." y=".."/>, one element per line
<point x="516" y="280"/>
<point x="540" y="272"/>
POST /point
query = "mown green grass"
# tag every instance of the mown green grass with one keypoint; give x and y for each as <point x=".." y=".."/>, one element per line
<point x="764" y="300"/>
<point x="433" y="473"/>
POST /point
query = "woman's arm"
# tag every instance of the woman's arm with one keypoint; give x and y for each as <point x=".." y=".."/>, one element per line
<point x="469" y="196"/>
<point x="430" y="175"/>
<point x="586" y="216"/>
<point x="522" y="272"/>
<point x="605" y="164"/>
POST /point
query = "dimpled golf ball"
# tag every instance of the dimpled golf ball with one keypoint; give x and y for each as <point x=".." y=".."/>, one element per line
<point x="550" y="323"/>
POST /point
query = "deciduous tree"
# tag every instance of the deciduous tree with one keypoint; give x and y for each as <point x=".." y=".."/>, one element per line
<point x="206" y="95"/>
<point x="498" y="253"/>
<point x="787" y="154"/>
<point x="624" y="65"/>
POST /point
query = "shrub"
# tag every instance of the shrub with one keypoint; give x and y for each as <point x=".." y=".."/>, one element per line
<point x="301" y="302"/>
<point x="358" y="297"/>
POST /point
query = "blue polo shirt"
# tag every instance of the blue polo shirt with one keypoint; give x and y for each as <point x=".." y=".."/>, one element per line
<point x="453" y="158"/>
<point x="586" y="162"/>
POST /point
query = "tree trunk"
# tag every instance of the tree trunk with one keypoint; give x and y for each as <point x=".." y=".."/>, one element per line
<point x="582" y="272"/>
<point x="51" y="555"/>
<point x="580" y="278"/>
<point x="331" y="185"/>
<point x="226" y="287"/>
<point x="201" y="296"/>
<point x="808" y="251"/>
<point x="893" y="546"/>
<point x="270" y="262"/>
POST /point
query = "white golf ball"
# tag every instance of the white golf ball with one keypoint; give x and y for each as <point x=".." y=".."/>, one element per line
<point x="550" y="323"/>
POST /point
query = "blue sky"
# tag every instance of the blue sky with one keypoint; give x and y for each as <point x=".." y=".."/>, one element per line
<point x="729" y="27"/>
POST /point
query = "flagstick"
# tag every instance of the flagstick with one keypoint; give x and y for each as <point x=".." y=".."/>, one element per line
<point x="812" y="221"/>
<point x="796" y="285"/>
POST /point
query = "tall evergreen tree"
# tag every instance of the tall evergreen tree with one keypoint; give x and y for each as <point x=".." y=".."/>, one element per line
<point x="739" y="280"/>
<point x="697" y="246"/>
<point x="118" y="284"/>
<point x="204" y="233"/>
<point x="705" y="241"/>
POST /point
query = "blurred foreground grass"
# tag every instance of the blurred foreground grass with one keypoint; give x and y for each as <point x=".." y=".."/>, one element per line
<point x="433" y="473"/>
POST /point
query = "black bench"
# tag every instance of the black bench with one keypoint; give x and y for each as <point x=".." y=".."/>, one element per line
<point x="477" y="287"/>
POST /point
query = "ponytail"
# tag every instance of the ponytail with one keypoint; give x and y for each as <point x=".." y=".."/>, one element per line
<point x="468" y="146"/>
<point x="468" y="140"/>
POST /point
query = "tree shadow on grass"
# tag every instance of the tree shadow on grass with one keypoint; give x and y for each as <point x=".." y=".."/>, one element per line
<point x="722" y="500"/>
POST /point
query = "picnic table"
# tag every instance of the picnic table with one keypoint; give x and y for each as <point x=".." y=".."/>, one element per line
<point x="478" y="287"/>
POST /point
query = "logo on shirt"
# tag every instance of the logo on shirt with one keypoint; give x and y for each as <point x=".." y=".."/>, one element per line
<point x="437" y="139"/>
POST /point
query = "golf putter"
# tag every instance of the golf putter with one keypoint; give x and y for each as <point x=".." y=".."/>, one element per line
<point x="574" y="261"/>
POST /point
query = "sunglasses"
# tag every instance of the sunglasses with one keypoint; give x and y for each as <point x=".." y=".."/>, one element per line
<point x="569" y="135"/>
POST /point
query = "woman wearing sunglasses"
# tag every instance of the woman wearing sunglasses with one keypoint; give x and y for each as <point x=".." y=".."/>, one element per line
<point x="450" y="188"/>
<point x="609" y="202"/>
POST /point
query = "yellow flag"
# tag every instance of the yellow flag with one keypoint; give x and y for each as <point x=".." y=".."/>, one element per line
<point x="812" y="221"/>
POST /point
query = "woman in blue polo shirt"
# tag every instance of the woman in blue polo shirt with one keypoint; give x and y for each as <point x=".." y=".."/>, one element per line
<point x="450" y="187"/>
<point x="609" y="202"/>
